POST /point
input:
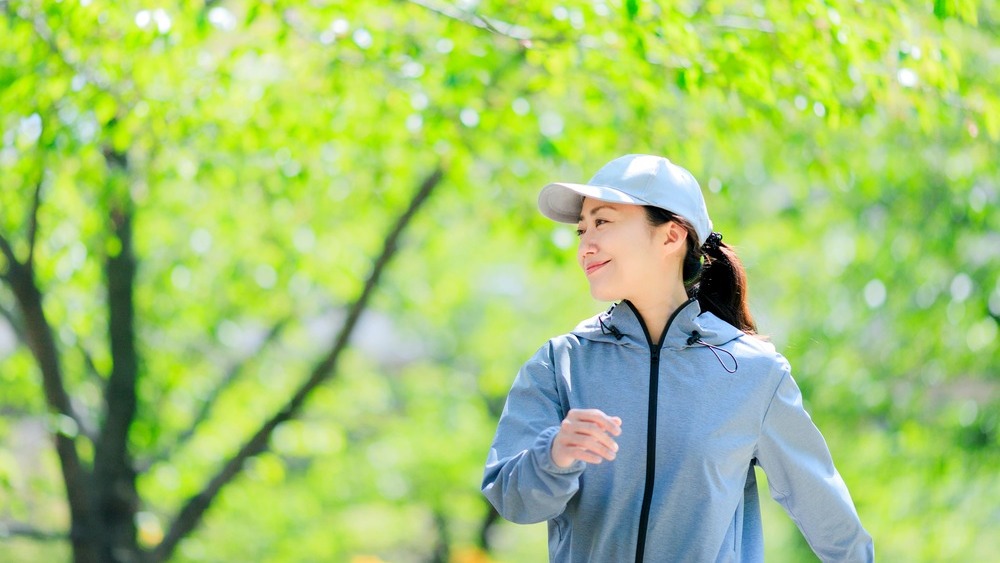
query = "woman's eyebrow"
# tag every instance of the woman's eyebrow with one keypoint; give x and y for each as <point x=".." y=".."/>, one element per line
<point x="595" y="210"/>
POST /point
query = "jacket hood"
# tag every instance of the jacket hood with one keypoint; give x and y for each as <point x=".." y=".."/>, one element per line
<point x="621" y="325"/>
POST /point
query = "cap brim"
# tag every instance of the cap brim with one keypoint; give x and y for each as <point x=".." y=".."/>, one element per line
<point x="563" y="202"/>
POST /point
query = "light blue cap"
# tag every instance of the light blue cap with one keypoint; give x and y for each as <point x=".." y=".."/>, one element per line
<point x="635" y="179"/>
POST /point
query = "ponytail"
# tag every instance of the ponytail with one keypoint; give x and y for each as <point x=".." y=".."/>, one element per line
<point x="722" y="288"/>
<point x="713" y="273"/>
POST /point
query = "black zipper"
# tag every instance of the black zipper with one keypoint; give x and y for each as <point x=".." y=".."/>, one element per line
<point x="654" y="380"/>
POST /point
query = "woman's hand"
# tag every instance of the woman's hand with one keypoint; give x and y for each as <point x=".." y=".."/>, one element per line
<point x="585" y="435"/>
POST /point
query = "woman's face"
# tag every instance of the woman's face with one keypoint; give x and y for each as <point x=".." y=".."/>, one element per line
<point x="622" y="255"/>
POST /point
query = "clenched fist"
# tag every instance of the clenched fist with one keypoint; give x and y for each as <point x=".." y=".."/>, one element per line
<point x="585" y="435"/>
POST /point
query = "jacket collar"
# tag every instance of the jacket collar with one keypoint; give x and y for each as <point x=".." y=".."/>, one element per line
<point x="621" y="324"/>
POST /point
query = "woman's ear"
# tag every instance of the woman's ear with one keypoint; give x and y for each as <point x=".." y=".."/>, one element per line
<point x="675" y="236"/>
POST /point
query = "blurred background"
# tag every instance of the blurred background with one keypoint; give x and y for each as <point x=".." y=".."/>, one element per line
<point x="269" y="269"/>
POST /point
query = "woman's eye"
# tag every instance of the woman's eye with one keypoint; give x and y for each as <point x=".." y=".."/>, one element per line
<point x="599" y="222"/>
<point x="579" y="232"/>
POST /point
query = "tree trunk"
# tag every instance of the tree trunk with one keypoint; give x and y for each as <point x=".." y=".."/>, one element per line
<point x="442" y="548"/>
<point x="490" y="520"/>
<point x="117" y="498"/>
<point x="84" y="528"/>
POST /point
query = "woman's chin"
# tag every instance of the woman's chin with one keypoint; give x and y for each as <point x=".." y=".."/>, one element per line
<point x="603" y="294"/>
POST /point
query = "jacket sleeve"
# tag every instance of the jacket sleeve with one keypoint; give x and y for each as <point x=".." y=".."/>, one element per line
<point x="803" y="479"/>
<point x="520" y="479"/>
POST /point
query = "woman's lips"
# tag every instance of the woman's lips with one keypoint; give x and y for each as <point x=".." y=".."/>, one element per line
<point x="594" y="267"/>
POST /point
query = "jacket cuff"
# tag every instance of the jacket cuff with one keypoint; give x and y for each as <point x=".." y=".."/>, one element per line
<point x="543" y="455"/>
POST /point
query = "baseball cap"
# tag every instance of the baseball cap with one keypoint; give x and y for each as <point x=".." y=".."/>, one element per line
<point x="636" y="179"/>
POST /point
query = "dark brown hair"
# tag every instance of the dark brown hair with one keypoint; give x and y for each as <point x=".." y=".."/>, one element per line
<point x="712" y="273"/>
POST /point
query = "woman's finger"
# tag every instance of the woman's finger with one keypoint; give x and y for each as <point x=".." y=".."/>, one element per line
<point x="607" y="423"/>
<point x="590" y="429"/>
<point x="591" y="444"/>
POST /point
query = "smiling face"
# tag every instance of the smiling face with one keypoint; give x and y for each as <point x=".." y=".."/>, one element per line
<point x="623" y="256"/>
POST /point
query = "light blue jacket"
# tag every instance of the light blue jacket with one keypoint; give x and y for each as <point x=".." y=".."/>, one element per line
<point x="685" y="491"/>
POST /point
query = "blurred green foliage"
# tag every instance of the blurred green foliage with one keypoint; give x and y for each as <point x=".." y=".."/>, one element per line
<point x="849" y="149"/>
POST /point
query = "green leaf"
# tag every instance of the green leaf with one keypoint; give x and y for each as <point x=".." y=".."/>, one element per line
<point x="941" y="9"/>
<point x="632" y="9"/>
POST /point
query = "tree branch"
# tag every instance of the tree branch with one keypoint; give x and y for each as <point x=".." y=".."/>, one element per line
<point x="33" y="222"/>
<point x="206" y="406"/>
<point x="193" y="511"/>
<point x="39" y="337"/>
<point x="37" y="333"/>
<point x="88" y="426"/>
<point x="88" y="361"/>
<point x="745" y="23"/>
<point x="516" y="32"/>
<point x="10" y="529"/>
<point x="12" y="262"/>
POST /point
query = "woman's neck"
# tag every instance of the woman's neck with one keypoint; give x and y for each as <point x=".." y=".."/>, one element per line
<point x="656" y="311"/>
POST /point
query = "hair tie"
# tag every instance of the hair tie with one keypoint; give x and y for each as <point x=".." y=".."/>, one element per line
<point x="712" y="244"/>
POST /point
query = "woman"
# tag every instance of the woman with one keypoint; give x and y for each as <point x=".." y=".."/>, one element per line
<point x="635" y="435"/>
